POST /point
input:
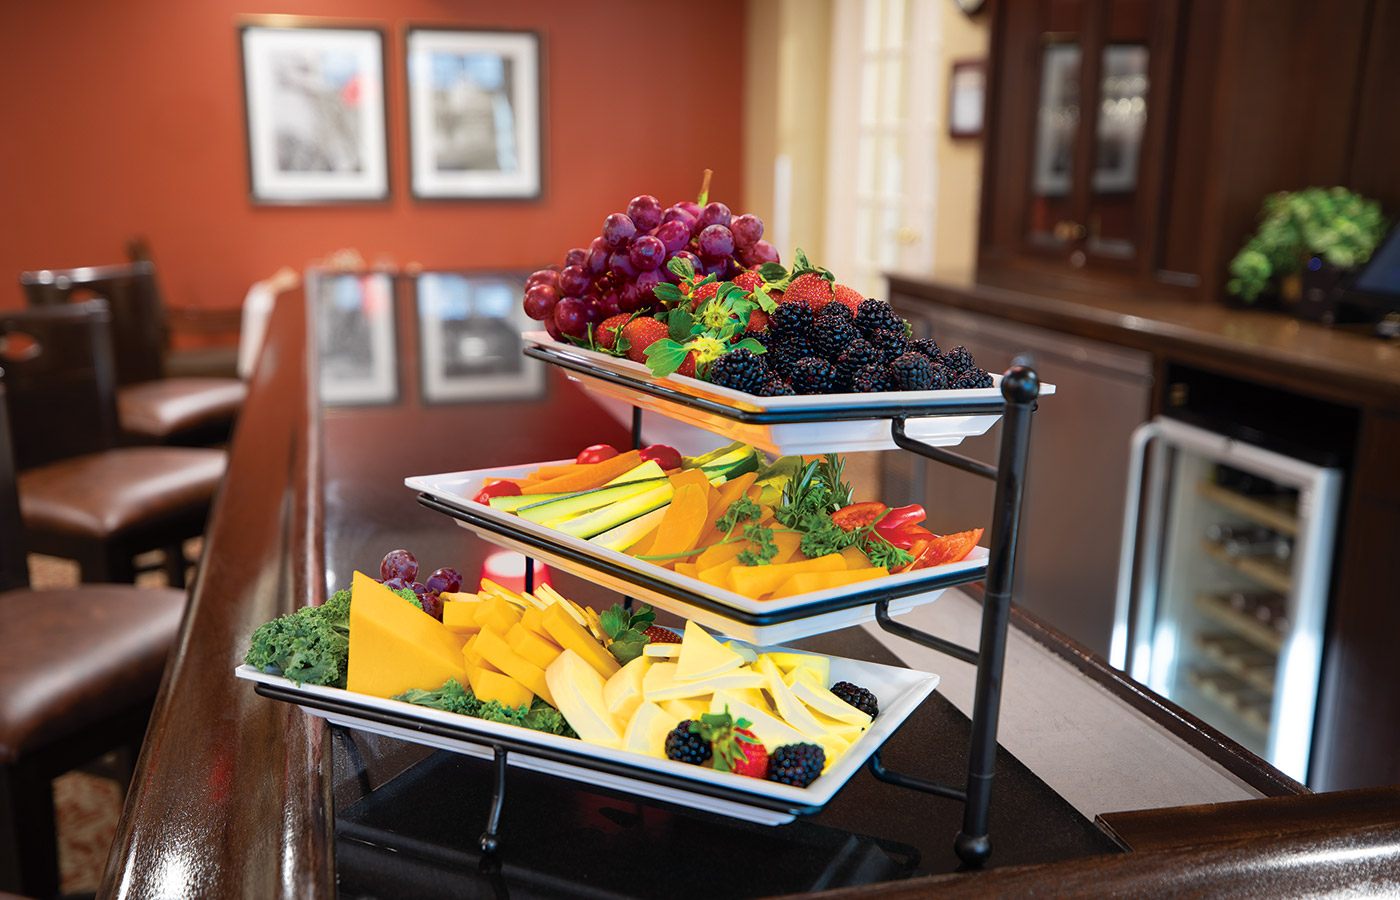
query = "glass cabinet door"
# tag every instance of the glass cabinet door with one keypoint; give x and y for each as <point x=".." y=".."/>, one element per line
<point x="1111" y="229"/>
<point x="1054" y="216"/>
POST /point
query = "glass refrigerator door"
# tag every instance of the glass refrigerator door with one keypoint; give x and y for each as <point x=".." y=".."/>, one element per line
<point x="1232" y="577"/>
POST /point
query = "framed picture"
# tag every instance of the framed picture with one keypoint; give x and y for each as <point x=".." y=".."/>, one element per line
<point x="355" y="336"/>
<point x="1057" y="120"/>
<point x="469" y="343"/>
<point x="967" y="95"/>
<point x="474" y="114"/>
<point x="315" y="114"/>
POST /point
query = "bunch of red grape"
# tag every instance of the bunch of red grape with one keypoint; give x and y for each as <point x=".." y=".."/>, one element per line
<point x="621" y="268"/>
<point x="399" y="570"/>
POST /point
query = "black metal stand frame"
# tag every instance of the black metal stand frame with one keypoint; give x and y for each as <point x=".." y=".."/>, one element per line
<point x="1020" y="386"/>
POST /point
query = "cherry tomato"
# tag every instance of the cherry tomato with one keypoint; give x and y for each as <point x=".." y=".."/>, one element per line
<point x="904" y="537"/>
<point x="666" y="457"/>
<point x="497" y="489"/>
<point x="596" y="454"/>
<point x="858" y="515"/>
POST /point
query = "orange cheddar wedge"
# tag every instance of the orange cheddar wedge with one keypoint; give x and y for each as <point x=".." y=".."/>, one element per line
<point x="495" y="614"/>
<point x="395" y="646"/>
<point x="460" y="616"/>
<point x="538" y="650"/>
<point x="488" y="686"/>
<point x="570" y="635"/>
<point x="494" y="649"/>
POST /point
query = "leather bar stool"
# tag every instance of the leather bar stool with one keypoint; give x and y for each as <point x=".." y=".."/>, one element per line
<point x="83" y="497"/>
<point x="152" y="408"/>
<point x="79" y="672"/>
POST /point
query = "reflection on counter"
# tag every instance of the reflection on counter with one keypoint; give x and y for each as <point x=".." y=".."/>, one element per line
<point x="469" y="328"/>
<point x="354" y="315"/>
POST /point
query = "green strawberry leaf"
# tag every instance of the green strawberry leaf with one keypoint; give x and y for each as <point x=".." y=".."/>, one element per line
<point x="800" y="260"/>
<point x="680" y="324"/>
<point x="772" y="272"/>
<point x="751" y="345"/>
<point x="668" y="293"/>
<point x="664" y="357"/>
<point x="764" y="300"/>
<point x="681" y="268"/>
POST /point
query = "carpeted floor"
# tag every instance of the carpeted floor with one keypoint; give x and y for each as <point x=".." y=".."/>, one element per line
<point x="88" y="801"/>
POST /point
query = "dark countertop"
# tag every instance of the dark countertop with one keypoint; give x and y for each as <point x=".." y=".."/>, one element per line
<point x="239" y="795"/>
<point x="1344" y="362"/>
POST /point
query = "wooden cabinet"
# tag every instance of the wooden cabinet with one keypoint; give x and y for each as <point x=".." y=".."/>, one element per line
<point x="1133" y="140"/>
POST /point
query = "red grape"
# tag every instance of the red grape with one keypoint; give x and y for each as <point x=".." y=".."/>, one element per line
<point x="715" y="213"/>
<point x="646" y="284"/>
<point x="573" y="281"/>
<point x="544" y="276"/>
<point x="761" y="252"/>
<point x="646" y="253"/>
<point x="539" y="301"/>
<point x="676" y="214"/>
<point x="690" y="206"/>
<point x="398" y="564"/>
<point x="644" y="211"/>
<point x="630" y="300"/>
<point x="618" y="230"/>
<point x="715" y="242"/>
<point x="571" y="316"/>
<point x="597" y="261"/>
<point x="395" y="584"/>
<point x="621" y="264"/>
<point x="449" y="580"/>
<point x="747" y="230"/>
<point x="553" y="330"/>
<point x="608" y="304"/>
<point x="575" y="257"/>
<point x="674" y="235"/>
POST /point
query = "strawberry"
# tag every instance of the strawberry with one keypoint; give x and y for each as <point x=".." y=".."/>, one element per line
<point x="754" y="762"/>
<point x="640" y="334"/>
<point x="606" y="334"/>
<point x="758" y="320"/>
<point x="734" y="745"/>
<point x="749" y="281"/>
<point x="849" y="296"/>
<point x="703" y="293"/>
<point x="658" y="635"/>
<point x="811" y="287"/>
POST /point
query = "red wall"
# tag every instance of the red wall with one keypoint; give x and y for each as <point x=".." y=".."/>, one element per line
<point x="126" y="118"/>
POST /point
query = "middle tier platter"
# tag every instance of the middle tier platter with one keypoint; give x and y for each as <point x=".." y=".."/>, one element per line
<point x="757" y="621"/>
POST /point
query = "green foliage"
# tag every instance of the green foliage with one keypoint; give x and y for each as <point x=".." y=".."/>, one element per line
<point x="626" y="631"/>
<point x="309" y="646"/>
<point x="453" y="698"/>
<point x="1337" y="225"/>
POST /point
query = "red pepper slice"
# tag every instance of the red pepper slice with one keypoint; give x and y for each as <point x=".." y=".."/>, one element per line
<point x="858" y="515"/>
<point x="596" y="454"/>
<point x="904" y="537"/>
<point x="903" y="515"/>
<point x="497" y="489"/>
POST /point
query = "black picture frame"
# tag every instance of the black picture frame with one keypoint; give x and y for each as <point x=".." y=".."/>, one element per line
<point x="470" y="347"/>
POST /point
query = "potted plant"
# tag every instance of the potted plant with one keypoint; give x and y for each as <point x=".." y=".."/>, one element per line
<point x="1306" y="242"/>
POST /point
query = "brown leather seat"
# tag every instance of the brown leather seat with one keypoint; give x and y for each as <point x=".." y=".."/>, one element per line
<point x="83" y="497"/>
<point x="79" y="671"/>
<point x="151" y="408"/>
<point x="167" y="409"/>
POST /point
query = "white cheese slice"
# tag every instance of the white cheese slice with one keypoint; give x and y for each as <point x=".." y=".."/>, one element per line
<point x="622" y="693"/>
<point x="702" y="656"/>
<point x="578" y="692"/>
<point x="794" y="712"/>
<point x="769" y="729"/>
<point x="661" y="651"/>
<point x="806" y="688"/>
<point x="660" y="682"/>
<point x="647" y="730"/>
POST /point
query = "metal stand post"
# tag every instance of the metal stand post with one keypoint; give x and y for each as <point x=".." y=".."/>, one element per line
<point x="490" y="838"/>
<point x="1019" y="387"/>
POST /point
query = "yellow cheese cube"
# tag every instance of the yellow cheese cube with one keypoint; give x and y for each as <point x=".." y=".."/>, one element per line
<point x="538" y="650"/>
<point x="494" y="649"/>
<point x="394" y="646"/>
<point x="497" y="615"/>
<point x="570" y="635"/>
<point x="460" y="616"/>
<point x="532" y="619"/>
<point x="507" y="691"/>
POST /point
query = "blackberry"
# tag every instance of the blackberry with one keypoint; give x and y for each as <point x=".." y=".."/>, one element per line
<point x="891" y="344"/>
<point x="781" y="358"/>
<point x="684" y="746"/>
<point x="790" y="319"/>
<point x="876" y="315"/>
<point x="926" y="346"/>
<point x="857" y="355"/>
<point x="971" y="378"/>
<point x="796" y="764"/>
<point x="742" y="370"/>
<point x="940" y="378"/>
<point x="775" y="387"/>
<point x="912" y="372"/>
<point x="870" y="380"/>
<point x="835" y="311"/>
<point x="858" y="697"/>
<point x="832" y="335"/>
<point x="957" y="359"/>
<point x="813" y="375"/>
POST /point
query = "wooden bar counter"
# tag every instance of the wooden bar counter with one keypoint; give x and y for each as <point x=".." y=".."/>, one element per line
<point x="238" y="795"/>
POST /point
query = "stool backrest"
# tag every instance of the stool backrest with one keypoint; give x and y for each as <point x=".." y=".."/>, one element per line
<point x="14" y="565"/>
<point x="138" y="314"/>
<point x="61" y="395"/>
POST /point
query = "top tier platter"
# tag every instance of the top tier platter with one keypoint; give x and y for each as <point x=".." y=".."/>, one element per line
<point x="803" y="425"/>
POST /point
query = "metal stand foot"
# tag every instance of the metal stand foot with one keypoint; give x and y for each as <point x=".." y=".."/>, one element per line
<point x="490" y="838"/>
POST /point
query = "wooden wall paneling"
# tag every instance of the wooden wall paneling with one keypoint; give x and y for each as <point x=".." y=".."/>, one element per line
<point x="1360" y="687"/>
<point x="1372" y="168"/>
<point x="1010" y="140"/>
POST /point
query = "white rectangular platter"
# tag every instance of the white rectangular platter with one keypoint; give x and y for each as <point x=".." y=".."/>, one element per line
<point x="824" y="434"/>
<point x="898" y="690"/>
<point x="804" y="614"/>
